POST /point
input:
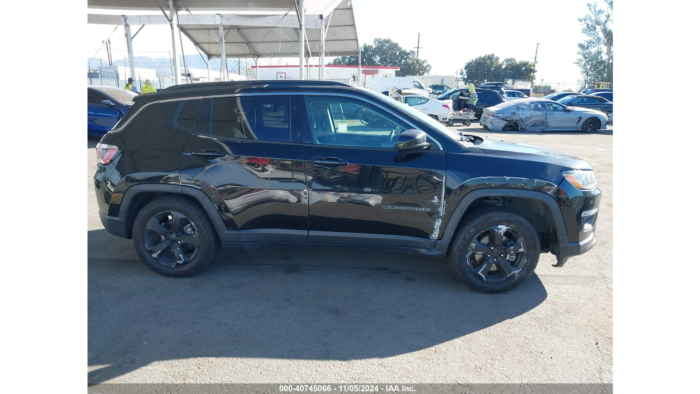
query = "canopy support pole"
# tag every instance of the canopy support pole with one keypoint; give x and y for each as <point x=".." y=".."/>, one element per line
<point x="174" y="24"/>
<point x="359" y="64"/>
<point x="222" y="39"/>
<point x="208" y="70"/>
<point x="302" y="33"/>
<point x="322" y="60"/>
<point x="129" y="49"/>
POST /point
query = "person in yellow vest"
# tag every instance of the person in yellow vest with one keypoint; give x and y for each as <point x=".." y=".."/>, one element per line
<point x="130" y="85"/>
<point x="147" y="87"/>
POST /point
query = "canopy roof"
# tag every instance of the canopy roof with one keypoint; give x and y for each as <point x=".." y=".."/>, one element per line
<point x="252" y="28"/>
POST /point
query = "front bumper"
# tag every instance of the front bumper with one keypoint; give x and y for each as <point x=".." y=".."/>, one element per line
<point x="571" y="249"/>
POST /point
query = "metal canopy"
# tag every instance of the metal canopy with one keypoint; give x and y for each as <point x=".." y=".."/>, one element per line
<point x="252" y="28"/>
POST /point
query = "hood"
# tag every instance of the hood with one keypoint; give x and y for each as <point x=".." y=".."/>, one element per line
<point x="532" y="153"/>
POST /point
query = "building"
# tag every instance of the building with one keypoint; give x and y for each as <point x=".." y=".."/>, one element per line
<point x="427" y="80"/>
<point x="345" y="74"/>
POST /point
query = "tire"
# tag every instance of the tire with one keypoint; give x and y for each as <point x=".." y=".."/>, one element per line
<point x="485" y="127"/>
<point x="450" y="122"/>
<point x="464" y="260"/>
<point x="164" y="226"/>
<point x="590" y="125"/>
<point x="467" y="123"/>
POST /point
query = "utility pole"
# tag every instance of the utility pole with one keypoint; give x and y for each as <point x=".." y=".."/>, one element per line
<point x="536" y="49"/>
<point x="418" y="47"/>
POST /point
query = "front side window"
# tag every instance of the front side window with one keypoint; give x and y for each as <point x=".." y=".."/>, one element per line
<point x="263" y="118"/>
<point x="554" y="107"/>
<point x="344" y="121"/>
<point x="417" y="85"/>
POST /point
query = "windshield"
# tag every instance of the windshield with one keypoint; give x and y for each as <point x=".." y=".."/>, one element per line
<point x="122" y="96"/>
<point x="551" y="96"/>
<point x="425" y="118"/>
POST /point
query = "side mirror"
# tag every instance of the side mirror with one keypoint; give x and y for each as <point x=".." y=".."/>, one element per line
<point x="107" y="103"/>
<point x="567" y="109"/>
<point x="412" y="140"/>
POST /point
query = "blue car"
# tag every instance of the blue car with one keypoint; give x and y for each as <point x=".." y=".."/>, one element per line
<point x="106" y="105"/>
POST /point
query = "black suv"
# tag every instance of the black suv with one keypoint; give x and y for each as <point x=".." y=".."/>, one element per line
<point x="193" y="167"/>
<point x="486" y="98"/>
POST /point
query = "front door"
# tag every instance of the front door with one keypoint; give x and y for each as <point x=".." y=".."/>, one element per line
<point x="362" y="190"/>
<point x="246" y="155"/>
<point x="559" y="119"/>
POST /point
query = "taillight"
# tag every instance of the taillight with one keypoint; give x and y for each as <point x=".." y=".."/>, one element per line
<point x="446" y="106"/>
<point x="105" y="153"/>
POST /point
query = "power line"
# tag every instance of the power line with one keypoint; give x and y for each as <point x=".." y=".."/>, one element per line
<point x="110" y="35"/>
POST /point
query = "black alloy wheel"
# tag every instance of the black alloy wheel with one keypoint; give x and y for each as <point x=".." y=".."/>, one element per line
<point x="591" y="125"/>
<point x="497" y="254"/>
<point x="172" y="238"/>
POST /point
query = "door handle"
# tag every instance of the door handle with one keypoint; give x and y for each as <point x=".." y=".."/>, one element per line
<point x="329" y="162"/>
<point x="208" y="153"/>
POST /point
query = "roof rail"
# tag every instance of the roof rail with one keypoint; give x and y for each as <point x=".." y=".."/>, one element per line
<point x="254" y="83"/>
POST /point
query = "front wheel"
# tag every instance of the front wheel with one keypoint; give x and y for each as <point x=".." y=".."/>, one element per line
<point x="450" y="122"/>
<point x="494" y="251"/>
<point x="591" y="125"/>
<point x="467" y="123"/>
<point x="174" y="237"/>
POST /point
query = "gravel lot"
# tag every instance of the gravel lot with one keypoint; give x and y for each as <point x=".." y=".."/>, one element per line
<point x="342" y="315"/>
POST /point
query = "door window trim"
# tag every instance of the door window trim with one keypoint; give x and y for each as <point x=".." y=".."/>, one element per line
<point x="439" y="144"/>
<point x="392" y="113"/>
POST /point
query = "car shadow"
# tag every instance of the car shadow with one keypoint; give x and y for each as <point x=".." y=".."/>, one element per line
<point x="301" y="302"/>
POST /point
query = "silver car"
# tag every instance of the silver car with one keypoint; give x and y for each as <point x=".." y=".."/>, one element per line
<point x="541" y="115"/>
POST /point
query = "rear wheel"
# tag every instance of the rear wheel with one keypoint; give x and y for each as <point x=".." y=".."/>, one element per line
<point x="591" y="125"/>
<point x="450" y="122"/>
<point x="467" y="123"/>
<point x="174" y="237"/>
<point x="494" y="251"/>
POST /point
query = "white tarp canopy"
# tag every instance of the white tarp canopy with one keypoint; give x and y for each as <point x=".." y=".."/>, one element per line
<point x="249" y="28"/>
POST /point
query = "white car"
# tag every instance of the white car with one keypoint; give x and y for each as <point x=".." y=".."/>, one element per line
<point x="514" y="95"/>
<point x="438" y="110"/>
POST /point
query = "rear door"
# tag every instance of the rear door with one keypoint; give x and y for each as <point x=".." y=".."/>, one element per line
<point x="101" y="117"/>
<point x="362" y="190"/>
<point x="246" y="155"/>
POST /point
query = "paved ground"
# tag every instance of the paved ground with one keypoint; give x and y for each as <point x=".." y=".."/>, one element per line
<point x="303" y="314"/>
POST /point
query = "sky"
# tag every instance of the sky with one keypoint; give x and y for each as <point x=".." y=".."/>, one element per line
<point x="452" y="33"/>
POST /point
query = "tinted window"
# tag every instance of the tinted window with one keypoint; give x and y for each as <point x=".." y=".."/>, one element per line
<point x="347" y="122"/>
<point x="264" y="118"/>
<point x="187" y="114"/>
<point x="94" y="97"/>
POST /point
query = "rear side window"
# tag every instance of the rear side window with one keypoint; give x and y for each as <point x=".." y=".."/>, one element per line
<point x="263" y="118"/>
<point x="186" y="115"/>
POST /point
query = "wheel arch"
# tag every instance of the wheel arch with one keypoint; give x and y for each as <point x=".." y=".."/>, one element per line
<point x="473" y="201"/>
<point x="137" y="196"/>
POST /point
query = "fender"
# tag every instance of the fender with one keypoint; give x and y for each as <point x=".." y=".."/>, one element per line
<point x="443" y="244"/>
<point x="195" y="193"/>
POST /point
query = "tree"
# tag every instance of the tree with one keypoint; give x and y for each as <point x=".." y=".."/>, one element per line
<point x="595" y="55"/>
<point x="386" y="52"/>
<point x="488" y="68"/>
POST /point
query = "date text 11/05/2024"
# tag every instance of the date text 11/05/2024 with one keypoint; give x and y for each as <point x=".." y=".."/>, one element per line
<point x="355" y="388"/>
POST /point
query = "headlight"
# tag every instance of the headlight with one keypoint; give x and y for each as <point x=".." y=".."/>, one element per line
<point x="584" y="180"/>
